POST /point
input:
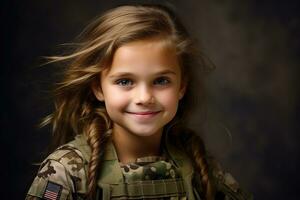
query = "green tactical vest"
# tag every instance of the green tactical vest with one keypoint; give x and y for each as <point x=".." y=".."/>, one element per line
<point x="111" y="180"/>
<point x="112" y="185"/>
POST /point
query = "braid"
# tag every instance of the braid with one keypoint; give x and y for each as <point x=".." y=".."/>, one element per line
<point x="97" y="137"/>
<point x="197" y="152"/>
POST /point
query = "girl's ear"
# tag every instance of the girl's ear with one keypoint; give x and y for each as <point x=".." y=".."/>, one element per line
<point x="182" y="90"/>
<point x="96" y="88"/>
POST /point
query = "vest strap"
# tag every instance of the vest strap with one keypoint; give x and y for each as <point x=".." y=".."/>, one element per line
<point x="148" y="189"/>
<point x="183" y="163"/>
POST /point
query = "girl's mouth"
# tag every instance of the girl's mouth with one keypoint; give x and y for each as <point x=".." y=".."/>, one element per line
<point x="144" y="115"/>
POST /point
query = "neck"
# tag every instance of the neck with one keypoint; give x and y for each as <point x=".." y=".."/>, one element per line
<point x="129" y="146"/>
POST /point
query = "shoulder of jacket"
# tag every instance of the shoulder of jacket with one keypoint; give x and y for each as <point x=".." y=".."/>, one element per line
<point x="226" y="185"/>
<point x="69" y="156"/>
<point x="66" y="155"/>
<point x="73" y="162"/>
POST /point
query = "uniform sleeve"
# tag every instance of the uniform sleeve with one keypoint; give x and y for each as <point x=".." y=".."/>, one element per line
<point x="52" y="182"/>
<point x="227" y="188"/>
<point x="29" y="197"/>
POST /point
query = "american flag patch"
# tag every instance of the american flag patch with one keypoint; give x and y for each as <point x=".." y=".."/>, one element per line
<point x="52" y="191"/>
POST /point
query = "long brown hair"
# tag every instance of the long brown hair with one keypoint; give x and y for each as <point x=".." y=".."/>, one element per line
<point x="77" y="111"/>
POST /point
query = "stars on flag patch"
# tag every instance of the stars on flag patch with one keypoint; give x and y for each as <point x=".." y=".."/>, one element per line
<point x="52" y="191"/>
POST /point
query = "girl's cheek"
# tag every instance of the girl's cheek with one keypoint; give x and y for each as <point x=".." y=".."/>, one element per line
<point x="118" y="100"/>
<point x="169" y="98"/>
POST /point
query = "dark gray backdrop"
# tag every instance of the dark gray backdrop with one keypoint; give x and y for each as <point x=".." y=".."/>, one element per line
<point x="253" y="102"/>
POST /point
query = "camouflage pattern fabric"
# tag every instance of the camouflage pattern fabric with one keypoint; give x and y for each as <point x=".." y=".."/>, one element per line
<point x="151" y="168"/>
<point x="227" y="187"/>
<point x="65" y="171"/>
<point x="64" y="168"/>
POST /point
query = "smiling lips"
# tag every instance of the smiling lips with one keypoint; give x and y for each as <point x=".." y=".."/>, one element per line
<point x="144" y="115"/>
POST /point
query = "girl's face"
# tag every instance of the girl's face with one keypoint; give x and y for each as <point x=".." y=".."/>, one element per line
<point x="142" y="87"/>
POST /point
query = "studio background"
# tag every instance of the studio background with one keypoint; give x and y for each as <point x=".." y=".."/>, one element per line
<point x="253" y="93"/>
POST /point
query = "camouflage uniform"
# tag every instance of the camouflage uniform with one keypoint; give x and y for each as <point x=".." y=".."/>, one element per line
<point x="63" y="168"/>
<point x="63" y="175"/>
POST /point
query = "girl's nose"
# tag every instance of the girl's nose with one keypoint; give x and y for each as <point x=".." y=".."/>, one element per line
<point x="144" y="95"/>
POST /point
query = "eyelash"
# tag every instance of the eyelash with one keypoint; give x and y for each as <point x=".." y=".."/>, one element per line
<point x="121" y="82"/>
<point x="165" y="80"/>
<point x="125" y="82"/>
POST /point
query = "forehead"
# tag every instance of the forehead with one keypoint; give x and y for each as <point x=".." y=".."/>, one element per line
<point x="146" y="55"/>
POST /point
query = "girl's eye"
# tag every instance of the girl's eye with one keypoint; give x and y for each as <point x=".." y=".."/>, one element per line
<point x="124" y="82"/>
<point x="162" y="81"/>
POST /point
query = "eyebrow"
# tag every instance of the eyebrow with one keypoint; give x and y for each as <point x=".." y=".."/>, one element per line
<point x="122" y="74"/>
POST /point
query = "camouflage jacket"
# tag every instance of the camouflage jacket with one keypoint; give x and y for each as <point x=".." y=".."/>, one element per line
<point x="63" y="175"/>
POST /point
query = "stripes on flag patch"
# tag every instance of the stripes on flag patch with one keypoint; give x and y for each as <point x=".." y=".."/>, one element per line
<point x="52" y="191"/>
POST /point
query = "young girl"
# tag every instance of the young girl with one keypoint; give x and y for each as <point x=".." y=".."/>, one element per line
<point x="125" y="98"/>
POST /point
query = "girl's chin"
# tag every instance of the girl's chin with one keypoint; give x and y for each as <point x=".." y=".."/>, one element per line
<point x="145" y="131"/>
